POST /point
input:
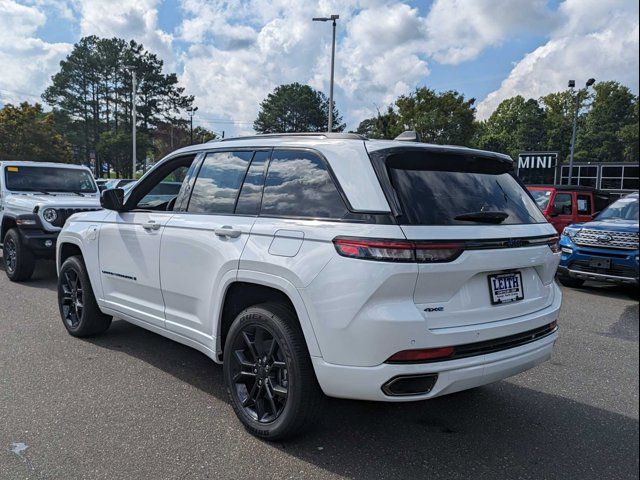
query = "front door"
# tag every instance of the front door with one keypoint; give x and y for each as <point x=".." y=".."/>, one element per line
<point x="130" y="241"/>
<point x="562" y="211"/>
<point x="201" y="247"/>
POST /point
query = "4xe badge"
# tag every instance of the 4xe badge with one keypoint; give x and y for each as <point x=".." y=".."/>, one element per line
<point x="434" y="309"/>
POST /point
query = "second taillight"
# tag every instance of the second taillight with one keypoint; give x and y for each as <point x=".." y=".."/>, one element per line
<point x="404" y="251"/>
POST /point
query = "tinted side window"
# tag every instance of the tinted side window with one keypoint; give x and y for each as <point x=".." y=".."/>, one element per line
<point x="584" y="205"/>
<point x="251" y="193"/>
<point x="218" y="182"/>
<point x="562" y="204"/>
<point x="298" y="185"/>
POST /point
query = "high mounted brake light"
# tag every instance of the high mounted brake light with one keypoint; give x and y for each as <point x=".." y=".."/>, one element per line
<point x="404" y="251"/>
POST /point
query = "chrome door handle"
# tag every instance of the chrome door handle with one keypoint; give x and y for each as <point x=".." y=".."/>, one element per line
<point x="227" y="231"/>
<point x="151" y="225"/>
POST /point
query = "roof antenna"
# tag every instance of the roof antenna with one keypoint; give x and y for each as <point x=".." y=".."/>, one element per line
<point x="408" y="136"/>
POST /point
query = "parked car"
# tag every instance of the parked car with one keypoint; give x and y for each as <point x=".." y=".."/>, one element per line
<point x="323" y="263"/>
<point x="605" y="249"/>
<point x="102" y="183"/>
<point x="118" y="182"/>
<point x="36" y="199"/>
<point x="563" y="205"/>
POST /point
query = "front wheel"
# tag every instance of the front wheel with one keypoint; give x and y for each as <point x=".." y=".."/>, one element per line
<point x="268" y="373"/>
<point x="19" y="261"/>
<point x="79" y="310"/>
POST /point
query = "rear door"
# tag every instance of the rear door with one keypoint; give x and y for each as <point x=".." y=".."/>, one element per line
<point x="482" y="239"/>
<point x="584" y="207"/>
<point x="202" y="244"/>
<point x="563" y="210"/>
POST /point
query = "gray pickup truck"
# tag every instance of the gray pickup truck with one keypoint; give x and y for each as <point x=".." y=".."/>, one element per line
<point x="36" y="199"/>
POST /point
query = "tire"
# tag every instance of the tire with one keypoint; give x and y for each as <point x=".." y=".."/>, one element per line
<point x="18" y="259"/>
<point x="79" y="310"/>
<point x="571" y="282"/>
<point x="280" y="397"/>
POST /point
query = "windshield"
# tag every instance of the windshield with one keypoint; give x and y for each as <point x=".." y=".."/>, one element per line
<point x="444" y="190"/>
<point x="623" y="209"/>
<point x="48" y="179"/>
<point x="541" y="197"/>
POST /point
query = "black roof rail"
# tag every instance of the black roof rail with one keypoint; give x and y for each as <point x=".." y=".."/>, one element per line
<point x="336" y="135"/>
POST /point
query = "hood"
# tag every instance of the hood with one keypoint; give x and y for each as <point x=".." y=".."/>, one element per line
<point x="29" y="202"/>
<point x="618" y="225"/>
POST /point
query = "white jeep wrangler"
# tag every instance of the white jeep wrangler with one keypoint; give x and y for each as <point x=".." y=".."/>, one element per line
<point x="36" y="199"/>
<point x="323" y="263"/>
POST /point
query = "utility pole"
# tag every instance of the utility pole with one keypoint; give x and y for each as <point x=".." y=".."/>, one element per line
<point x="572" y="84"/>
<point x="333" y="19"/>
<point x="133" y="119"/>
<point x="191" y="111"/>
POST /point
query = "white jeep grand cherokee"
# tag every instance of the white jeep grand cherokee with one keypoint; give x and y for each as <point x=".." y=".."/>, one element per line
<point x="374" y="270"/>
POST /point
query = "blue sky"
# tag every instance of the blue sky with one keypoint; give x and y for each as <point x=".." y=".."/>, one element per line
<point x="231" y="53"/>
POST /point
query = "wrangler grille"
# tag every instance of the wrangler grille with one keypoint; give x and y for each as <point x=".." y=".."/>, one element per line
<point x="607" y="239"/>
<point x="65" y="213"/>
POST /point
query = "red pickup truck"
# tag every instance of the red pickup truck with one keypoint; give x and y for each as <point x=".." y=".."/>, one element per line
<point x="563" y="205"/>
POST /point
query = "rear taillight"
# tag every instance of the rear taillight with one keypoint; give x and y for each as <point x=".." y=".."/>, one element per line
<point x="398" y="250"/>
<point x="554" y="245"/>
<point x="413" y="356"/>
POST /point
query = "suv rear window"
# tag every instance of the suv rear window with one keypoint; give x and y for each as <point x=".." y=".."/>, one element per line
<point x="444" y="189"/>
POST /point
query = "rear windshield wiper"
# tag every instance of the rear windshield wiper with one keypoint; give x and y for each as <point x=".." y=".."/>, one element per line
<point x="484" y="217"/>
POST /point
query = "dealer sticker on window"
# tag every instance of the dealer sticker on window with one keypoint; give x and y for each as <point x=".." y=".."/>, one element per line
<point x="505" y="287"/>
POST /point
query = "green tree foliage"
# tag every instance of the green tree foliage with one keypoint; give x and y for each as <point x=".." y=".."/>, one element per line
<point x="296" y="108"/>
<point x="116" y="146"/>
<point x="443" y="118"/>
<point x="386" y="125"/>
<point x="558" y="123"/>
<point x="27" y="133"/>
<point x="168" y="137"/>
<point x="92" y="92"/>
<point x="516" y="125"/>
<point x="608" y="130"/>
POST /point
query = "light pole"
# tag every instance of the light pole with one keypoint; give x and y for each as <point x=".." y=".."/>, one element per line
<point x="333" y="19"/>
<point x="191" y="111"/>
<point x="134" y="160"/>
<point x="572" y="84"/>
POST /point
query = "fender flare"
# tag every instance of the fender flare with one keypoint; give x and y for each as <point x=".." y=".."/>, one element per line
<point x="277" y="283"/>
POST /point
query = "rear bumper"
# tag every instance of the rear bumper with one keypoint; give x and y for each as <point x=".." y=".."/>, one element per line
<point x="366" y="383"/>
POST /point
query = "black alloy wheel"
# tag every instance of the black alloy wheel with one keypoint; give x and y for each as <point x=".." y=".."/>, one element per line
<point x="72" y="299"/>
<point x="259" y="373"/>
<point x="10" y="255"/>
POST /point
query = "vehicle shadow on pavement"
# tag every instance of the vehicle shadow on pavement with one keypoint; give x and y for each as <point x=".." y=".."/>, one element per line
<point x="611" y="291"/>
<point x="498" y="431"/>
<point x="44" y="276"/>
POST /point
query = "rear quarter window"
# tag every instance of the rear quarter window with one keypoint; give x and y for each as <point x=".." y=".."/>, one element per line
<point x="298" y="184"/>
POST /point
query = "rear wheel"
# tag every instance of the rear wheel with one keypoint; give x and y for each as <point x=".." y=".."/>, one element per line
<point x="79" y="310"/>
<point x="268" y="373"/>
<point x="571" y="282"/>
<point x="19" y="261"/>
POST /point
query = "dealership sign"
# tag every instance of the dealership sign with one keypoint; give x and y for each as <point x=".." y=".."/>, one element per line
<point x="538" y="168"/>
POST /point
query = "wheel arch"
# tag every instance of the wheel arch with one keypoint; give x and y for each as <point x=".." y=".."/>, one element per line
<point x="8" y="222"/>
<point x="255" y="288"/>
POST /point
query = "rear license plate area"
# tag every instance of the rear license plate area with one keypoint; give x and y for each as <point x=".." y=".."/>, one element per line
<point x="505" y="288"/>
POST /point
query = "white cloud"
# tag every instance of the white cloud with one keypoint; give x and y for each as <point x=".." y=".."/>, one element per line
<point x="595" y="39"/>
<point x="127" y="19"/>
<point x="27" y="61"/>
<point x="459" y="30"/>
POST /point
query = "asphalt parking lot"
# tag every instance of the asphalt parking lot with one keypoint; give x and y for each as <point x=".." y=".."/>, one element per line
<point x="131" y="404"/>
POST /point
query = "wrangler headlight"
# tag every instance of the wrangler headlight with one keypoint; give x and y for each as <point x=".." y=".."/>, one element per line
<point x="50" y="215"/>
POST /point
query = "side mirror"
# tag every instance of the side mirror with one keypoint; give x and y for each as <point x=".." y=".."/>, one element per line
<point x="112" y="199"/>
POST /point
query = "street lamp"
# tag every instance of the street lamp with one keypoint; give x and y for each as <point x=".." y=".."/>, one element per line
<point x="572" y="84"/>
<point x="333" y="19"/>
<point x="134" y="161"/>
<point x="191" y="112"/>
